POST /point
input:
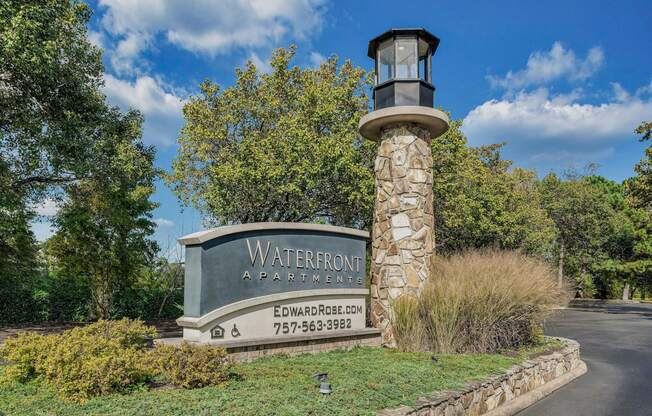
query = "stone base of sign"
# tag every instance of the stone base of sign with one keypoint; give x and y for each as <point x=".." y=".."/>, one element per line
<point x="506" y="394"/>
<point x="293" y="345"/>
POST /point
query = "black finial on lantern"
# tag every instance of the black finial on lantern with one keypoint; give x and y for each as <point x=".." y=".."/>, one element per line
<point x="403" y="69"/>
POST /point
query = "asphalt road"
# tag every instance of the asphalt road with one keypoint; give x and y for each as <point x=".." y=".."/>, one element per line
<point x="616" y="345"/>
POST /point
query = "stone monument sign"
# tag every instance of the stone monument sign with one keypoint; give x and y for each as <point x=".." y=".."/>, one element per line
<point x="267" y="280"/>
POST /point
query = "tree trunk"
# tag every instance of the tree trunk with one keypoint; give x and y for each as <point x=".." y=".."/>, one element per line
<point x="626" y="291"/>
<point x="560" y="273"/>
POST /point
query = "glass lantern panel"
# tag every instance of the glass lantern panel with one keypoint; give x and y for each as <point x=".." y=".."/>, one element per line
<point x="424" y="68"/>
<point x="385" y="61"/>
<point x="406" y="58"/>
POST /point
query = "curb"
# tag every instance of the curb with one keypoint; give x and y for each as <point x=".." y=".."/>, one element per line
<point x="503" y="394"/>
<point x="528" y="399"/>
<point x="603" y="310"/>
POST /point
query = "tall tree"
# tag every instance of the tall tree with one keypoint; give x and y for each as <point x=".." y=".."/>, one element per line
<point x="50" y="102"/>
<point x="50" y="105"/>
<point x="618" y="246"/>
<point x="480" y="202"/>
<point x="281" y="146"/>
<point x="103" y="228"/>
<point x="640" y="187"/>
<point x="631" y="263"/>
<point x="581" y="216"/>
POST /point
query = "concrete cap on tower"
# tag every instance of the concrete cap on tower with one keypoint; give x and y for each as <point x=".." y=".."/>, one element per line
<point x="433" y="120"/>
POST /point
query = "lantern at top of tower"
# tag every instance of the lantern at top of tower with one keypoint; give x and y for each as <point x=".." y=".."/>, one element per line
<point x="403" y="67"/>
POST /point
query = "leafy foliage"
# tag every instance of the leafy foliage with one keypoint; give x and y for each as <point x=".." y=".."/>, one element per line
<point x="641" y="186"/>
<point x="109" y="357"/>
<point x="49" y="93"/>
<point x="479" y="202"/>
<point x="281" y="146"/>
<point x="60" y="138"/>
<point x="191" y="366"/>
<point x="103" y="228"/>
<point x="101" y="358"/>
<point x="581" y="215"/>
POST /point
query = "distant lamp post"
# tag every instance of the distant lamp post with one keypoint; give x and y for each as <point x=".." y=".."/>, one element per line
<point x="404" y="123"/>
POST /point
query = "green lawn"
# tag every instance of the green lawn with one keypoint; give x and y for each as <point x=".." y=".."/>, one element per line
<point x="364" y="380"/>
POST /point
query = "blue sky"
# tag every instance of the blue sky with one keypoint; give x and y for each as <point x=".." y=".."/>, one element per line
<point x="564" y="83"/>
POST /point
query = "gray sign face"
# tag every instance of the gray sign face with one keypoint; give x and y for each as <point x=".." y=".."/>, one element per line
<point x="249" y="262"/>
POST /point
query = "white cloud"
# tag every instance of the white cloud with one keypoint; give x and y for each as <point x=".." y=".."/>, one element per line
<point x="163" y="223"/>
<point x="647" y="89"/>
<point x="548" y="66"/>
<point x="42" y="230"/>
<point x="126" y="51"/>
<point x="162" y="109"/>
<point x="96" y="38"/>
<point x="546" y="130"/>
<point x="47" y="208"/>
<point x="261" y="65"/>
<point x="540" y="116"/>
<point x="205" y="26"/>
<point x="42" y="226"/>
<point x="316" y="59"/>
<point x="620" y="94"/>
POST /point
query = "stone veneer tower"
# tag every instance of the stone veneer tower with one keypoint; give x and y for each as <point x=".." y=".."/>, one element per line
<point x="404" y="123"/>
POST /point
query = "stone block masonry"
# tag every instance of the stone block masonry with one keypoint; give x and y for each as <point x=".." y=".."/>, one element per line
<point x="504" y="394"/>
<point x="402" y="236"/>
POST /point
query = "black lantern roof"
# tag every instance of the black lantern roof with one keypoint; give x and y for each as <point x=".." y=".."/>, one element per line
<point x="403" y="66"/>
<point x="420" y="32"/>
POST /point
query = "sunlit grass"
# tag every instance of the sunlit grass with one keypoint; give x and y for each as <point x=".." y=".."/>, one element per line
<point x="364" y="380"/>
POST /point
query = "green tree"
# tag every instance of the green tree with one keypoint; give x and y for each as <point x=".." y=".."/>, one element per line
<point x="49" y="106"/>
<point x="480" y="202"/>
<point x="618" y="246"/>
<point x="281" y="146"/>
<point x="640" y="187"/>
<point x="59" y="136"/>
<point x="50" y="102"/>
<point x="18" y="265"/>
<point x="630" y="260"/>
<point x="103" y="228"/>
<point x="581" y="216"/>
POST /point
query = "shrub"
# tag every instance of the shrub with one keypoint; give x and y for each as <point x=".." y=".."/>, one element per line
<point x="110" y="357"/>
<point x="26" y="354"/>
<point x="191" y="366"/>
<point x="126" y="332"/>
<point x="101" y="358"/>
<point x="481" y="301"/>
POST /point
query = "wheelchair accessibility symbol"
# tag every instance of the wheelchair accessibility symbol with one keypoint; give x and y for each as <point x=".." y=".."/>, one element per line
<point x="235" y="332"/>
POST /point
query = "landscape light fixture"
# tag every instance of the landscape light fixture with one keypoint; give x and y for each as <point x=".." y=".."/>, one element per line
<point x="403" y="67"/>
<point x="324" y="385"/>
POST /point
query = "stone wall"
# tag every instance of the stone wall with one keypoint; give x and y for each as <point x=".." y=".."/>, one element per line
<point x="402" y="237"/>
<point x="478" y="398"/>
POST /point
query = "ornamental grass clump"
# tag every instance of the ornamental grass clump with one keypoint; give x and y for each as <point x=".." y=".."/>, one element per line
<point x="478" y="301"/>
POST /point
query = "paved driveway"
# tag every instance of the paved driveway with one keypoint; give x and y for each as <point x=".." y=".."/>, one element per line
<point x="617" y="348"/>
